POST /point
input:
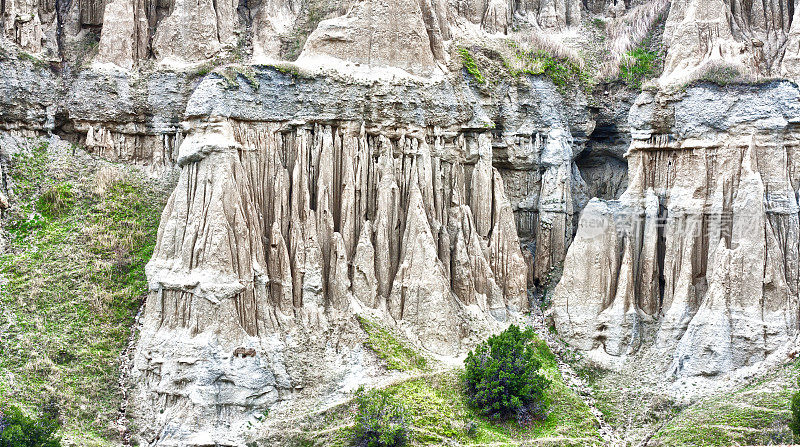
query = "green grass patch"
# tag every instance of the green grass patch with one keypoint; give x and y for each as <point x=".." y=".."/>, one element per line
<point x="434" y="408"/>
<point x="38" y="63"/>
<point x="56" y="200"/>
<point x="71" y="282"/>
<point x="438" y="414"/>
<point x="284" y="68"/>
<point x="638" y="65"/>
<point x="563" y="72"/>
<point x="397" y="355"/>
<point x="471" y="66"/>
<point x="756" y="414"/>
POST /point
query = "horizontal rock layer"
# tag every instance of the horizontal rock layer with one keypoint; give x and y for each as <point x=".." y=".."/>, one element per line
<point x="703" y="247"/>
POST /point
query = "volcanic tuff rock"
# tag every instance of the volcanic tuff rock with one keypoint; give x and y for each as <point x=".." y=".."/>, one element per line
<point x="400" y="210"/>
<point x="136" y="117"/>
<point x="303" y="201"/>
<point x="292" y="215"/>
<point x="378" y="34"/>
<point x="416" y="213"/>
<point x="708" y="262"/>
<point x="176" y="31"/>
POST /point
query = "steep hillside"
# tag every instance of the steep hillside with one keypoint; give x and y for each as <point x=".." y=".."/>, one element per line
<point x="80" y="231"/>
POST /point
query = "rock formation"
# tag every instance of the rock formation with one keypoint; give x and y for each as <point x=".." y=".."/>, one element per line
<point x="278" y="230"/>
<point x="710" y="261"/>
<point x="549" y="14"/>
<point x="273" y="23"/>
<point x="391" y="33"/>
<point x="393" y="185"/>
<point x="752" y="40"/>
<point x="498" y="16"/>
<point x="176" y="32"/>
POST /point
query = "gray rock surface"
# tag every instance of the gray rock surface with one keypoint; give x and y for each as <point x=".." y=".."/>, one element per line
<point x="754" y="39"/>
<point x="222" y="276"/>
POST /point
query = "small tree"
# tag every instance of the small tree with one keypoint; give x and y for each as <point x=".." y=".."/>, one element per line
<point x="18" y="430"/>
<point x="503" y="379"/>
<point x="794" y="424"/>
<point x="380" y="421"/>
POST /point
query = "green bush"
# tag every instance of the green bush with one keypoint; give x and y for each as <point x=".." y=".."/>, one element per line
<point x="503" y="378"/>
<point x="794" y="424"/>
<point x="18" y="430"/>
<point x="380" y="421"/>
<point x="637" y="65"/>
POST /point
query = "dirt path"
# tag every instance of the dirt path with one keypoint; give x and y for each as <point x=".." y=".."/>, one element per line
<point x="126" y="363"/>
<point x="572" y="379"/>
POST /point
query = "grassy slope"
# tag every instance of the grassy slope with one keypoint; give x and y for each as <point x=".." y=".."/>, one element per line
<point x="627" y="404"/>
<point x="71" y="281"/>
<point x="439" y="415"/>
<point x="755" y="414"/>
<point x="397" y="354"/>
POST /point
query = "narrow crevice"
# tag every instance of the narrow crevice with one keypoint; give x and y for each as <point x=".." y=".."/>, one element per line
<point x="661" y="250"/>
<point x="62" y="10"/>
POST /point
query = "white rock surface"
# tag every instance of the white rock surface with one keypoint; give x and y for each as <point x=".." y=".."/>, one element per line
<point x="388" y="33"/>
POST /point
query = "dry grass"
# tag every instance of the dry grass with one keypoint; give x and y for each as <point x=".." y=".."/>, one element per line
<point x="607" y="51"/>
<point x="725" y="72"/>
<point x="538" y="40"/>
<point x="107" y="176"/>
<point x="628" y="31"/>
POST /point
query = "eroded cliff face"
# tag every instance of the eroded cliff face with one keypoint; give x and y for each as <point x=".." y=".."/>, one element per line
<point x="377" y="177"/>
<point x="303" y="201"/>
<point x="175" y="32"/>
<point x="136" y="118"/>
<point x="286" y="223"/>
<point x="698" y="260"/>
<point x="753" y="39"/>
<point x="278" y="234"/>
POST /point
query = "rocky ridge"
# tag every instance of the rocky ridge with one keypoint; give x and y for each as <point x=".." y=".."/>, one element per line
<point x="175" y="32"/>
<point x="753" y="40"/>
